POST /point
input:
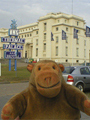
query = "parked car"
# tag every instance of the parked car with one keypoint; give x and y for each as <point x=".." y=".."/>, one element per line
<point x="29" y="60"/>
<point x="87" y="64"/>
<point x="78" y="76"/>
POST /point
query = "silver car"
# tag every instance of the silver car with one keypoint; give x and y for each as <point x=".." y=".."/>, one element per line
<point x="78" y="76"/>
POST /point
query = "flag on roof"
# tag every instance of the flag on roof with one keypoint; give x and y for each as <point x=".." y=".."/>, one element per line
<point x="87" y="31"/>
<point x="75" y="33"/>
<point x="52" y="39"/>
<point x="63" y="35"/>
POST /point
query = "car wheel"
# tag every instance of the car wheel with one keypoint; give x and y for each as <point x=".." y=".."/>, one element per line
<point x="80" y="87"/>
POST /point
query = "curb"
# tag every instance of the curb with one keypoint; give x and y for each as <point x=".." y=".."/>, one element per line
<point x="11" y="82"/>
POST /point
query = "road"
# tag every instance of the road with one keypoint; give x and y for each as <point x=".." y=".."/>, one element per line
<point x="8" y="90"/>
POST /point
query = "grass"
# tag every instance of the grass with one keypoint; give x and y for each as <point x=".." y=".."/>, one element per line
<point x="11" y="76"/>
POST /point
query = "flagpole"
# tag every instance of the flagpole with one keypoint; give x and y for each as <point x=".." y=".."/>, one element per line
<point x="72" y="6"/>
<point x="72" y="48"/>
<point x="50" y="45"/>
<point x="50" y="48"/>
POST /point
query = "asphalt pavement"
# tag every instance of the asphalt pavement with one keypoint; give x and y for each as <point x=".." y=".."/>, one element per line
<point x="8" y="90"/>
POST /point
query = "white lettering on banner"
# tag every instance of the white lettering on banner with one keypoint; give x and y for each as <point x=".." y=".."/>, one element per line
<point x="10" y="46"/>
<point x="13" y="40"/>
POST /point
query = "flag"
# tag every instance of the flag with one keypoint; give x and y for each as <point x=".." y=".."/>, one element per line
<point x="52" y="39"/>
<point x="87" y="31"/>
<point x="75" y="33"/>
<point x="63" y="35"/>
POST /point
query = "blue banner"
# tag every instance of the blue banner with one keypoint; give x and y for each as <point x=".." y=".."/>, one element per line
<point x="63" y="35"/>
<point x="12" y="46"/>
<point x="12" y="55"/>
<point x="87" y="31"/>
<point x="75" y="33"/>
<point x="52" y="39"/>
<point x="13" y="40"/>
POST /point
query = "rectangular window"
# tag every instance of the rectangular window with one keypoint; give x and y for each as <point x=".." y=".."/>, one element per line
<point x="57" y="38"/>
<point x="84" y="52"/>
<point x="56" y="51"/>
<point x="84" y="42"/>
<point x="77" y="41"/>
<point x="77" y="52"/>
<point x="36" y="41"/>
<point x="27" y="35"/>
<point x="77" y="23"/>
<point x="66" y="28"/>
<point x="66" y="51"/>
<point x="66" y="39"/>
<point x="44" y="47"/>
<point x="85" y="71"/>
<point x="57" y="29"/>
<point x="36" y="51"/>
<point x="44" y="36"/>
<point x="45" y="26"/>
<point x="36" y="32"/>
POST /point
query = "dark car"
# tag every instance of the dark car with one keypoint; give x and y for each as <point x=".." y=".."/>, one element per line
<point x="78" y="76"/>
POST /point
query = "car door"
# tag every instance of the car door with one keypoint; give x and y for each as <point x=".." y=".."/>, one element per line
<point x="85" y="73"/>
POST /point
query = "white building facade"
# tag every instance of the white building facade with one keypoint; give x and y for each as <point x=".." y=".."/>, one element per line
<point x="38" y="44"/>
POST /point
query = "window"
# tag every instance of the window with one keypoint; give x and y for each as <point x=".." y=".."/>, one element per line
<point x="45" y="26"/>
<point x="56" y="28"/>
<point x="66" y="28"/>
<point x="84" y="42"/>
<point x="36" y="51"/>
<point x="57" y="39"/>
<point x="36" y="32"/>
<point x="58" y="21"/>
<point x="44" y="36"/>
<point x="66" y="39"/>
<point x="77" y="41"/>
<point x="84" y="52"/>
<point x="36" y="41"/>
<point x="66" y="51"/>
<point x="25" y="54"/>
<point x="85" y="71"/>
<point x="30" y="34"/>
<point x="65" y="21"/>
<point x="66" y="60"/>
<point x="22" y="36"/>
<point x="69" y="70"/>
<point x="27" y="35"/>
<point x="56" y="51"/>
<point x="77" y="61"/>
<point x="44" y="47"/>
<point x="77" y="23"/>
<point x="77" y="52"/>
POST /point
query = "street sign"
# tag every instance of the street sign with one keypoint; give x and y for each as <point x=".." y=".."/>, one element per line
<point x="12" y="46"/>
<point x="12" y="40"/>
<point x="12" y="55"/>
<point x="13" y="32"/>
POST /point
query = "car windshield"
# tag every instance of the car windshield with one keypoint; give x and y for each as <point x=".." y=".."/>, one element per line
<point x="69" y="70"/>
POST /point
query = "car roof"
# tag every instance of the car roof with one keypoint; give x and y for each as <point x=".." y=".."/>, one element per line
<point x="77" y="66"/>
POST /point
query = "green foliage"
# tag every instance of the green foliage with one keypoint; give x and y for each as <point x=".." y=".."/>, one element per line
<point x="21" y="74"/>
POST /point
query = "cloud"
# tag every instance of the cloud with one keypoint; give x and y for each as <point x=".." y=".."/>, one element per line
<point x="29" y="11"/>
<point x="5" y="18"/>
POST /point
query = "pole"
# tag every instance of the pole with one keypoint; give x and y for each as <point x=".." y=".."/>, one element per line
<point x="72" y="6"/>
<point x="50" y="45"/>
<point x="72" y="47"/>
<point x="16" y="59"/>
<point x="10" y="60"/>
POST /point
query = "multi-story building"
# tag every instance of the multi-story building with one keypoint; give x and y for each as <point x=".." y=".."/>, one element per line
<point x="38" y="44"/>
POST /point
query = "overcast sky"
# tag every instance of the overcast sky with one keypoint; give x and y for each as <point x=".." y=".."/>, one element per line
<point x="29" y="11"/>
